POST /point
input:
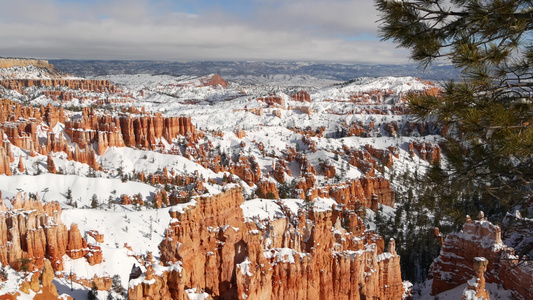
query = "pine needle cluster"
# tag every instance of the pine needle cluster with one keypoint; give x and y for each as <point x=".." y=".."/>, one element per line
<point x="488" y="112"/>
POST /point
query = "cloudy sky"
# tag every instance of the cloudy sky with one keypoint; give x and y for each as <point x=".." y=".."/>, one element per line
<point x="301" y="30"/>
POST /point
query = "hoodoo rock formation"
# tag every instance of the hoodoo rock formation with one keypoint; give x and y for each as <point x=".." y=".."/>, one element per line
<point x="31" y="233"/>
<point x="301" y="96"/>
<point x="210" y="248"/>
<point x="267" y="189"/>
<point x="91" y="134"/>
<point x="41" y="283"/>
<point x="476" y="286"/>
<point x="247" y="169"/>
<point x="126" y="130"/>
<point x="460" y="255"/>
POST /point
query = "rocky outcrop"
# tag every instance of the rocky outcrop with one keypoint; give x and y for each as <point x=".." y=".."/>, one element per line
<point x="328" y="169"/>
<point x="304" y="109"/>
<point x="384" y="156"/>
<point x="357" y="129"/>
<point x="32" y="232"/>
<point x="308" y="261"/>
<point x="152" y="285"/>
<point x="41" y="284"/>
<point x="20" y="62"/>
<point x="364" y="161"/>
<point x="429" y="152"/>
<point x="272" y="100"/>
<point x="86" y="156"/>
<point x="205" y="239"/>
<point x="20" y="166"/>
<point x="301" y="96"/>
<point x="101" y="283"/>
<point x="311" y="144"/>
<point x="213" y="80"/>
<point x="208" y="247"/>
<point x="367" y="192"/>
<point x="240" y="133"/>
<point x="20" y="123"/>
<point x="280" y="169"/>
<point x="456" y="262"/>
<point x="98" y="237"/>
<point x="309" y="131"/>
<point x="125" y="130"/>
<point x="247" y="169"/>
<point x="74" y="84"/>
<point x="368" y="158"/>
<point x="267" y="189"/>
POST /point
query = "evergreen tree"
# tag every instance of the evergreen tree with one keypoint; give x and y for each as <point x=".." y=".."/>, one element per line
<point x="488" y="111"/>
<point x="69" y="197"/>
<point x="93" y="293"/>
<point x="94" y="201"/>
<point x="116" y="284"/>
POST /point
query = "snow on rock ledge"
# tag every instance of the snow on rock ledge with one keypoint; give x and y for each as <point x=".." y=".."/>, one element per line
<point x="461" y="252"/>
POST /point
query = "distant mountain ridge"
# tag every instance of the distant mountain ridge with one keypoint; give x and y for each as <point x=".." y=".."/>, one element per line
<point x="229" y="69"/>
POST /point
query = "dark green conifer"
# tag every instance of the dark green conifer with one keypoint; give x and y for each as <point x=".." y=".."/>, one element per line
<point x="488" y="111"/>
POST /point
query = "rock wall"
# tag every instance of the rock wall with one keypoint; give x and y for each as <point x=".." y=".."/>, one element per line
<point x="208" y="247"/>
<point x="455" y="264"/>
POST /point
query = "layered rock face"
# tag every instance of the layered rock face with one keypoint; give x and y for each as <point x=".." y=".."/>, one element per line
<point x="313" y="259"/>
<point x="17" y="62"/>
<point x="208" y="247"/>
<point x="456" y="262"/>
<point x="126" y="130"/>
<point x="56" y="88"/>
<point x="32" y="232"/>
<point x="76" y="84"/>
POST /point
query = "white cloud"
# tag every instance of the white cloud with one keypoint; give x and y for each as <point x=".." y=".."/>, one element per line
<point x="135" y="29"/>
